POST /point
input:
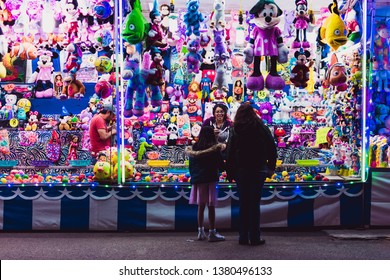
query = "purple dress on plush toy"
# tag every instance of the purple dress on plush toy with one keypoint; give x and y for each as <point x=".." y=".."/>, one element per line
<point x="265" y="41"/>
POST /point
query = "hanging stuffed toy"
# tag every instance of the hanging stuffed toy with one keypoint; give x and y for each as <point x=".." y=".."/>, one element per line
<point x="336" y="75"/>
<point x="353" y="25"/>
<point x="300" y="74"/>
<point x="156" y="33"/>
<point x="266" y="40"/>
<point x="220" y="83"/>
<point x="220" y="52"/>
<point x="53" y="148"/>
<point x="193" y="18"/>
<point x="381" y="47"/>
<point x="136" y="84"/>
<point x="136" y="26"/>
<point x="155" y="78"/>
<point x="301" y="23"/>
<point x="42" y="76"/>
<point x="71" y="19"/>
<point x="74" y="59"/>
<point x="218" y="18"/>
<point x="193" y="57"/>
<point x="103" y="12"/>
<point x="208" y="66"/>
<point x="333" y="31"/>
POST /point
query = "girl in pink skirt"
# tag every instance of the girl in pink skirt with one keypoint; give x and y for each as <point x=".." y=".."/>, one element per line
<point x="205" y="161"/>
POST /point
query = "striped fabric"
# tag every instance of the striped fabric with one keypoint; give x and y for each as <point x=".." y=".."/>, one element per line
<point x="166" y="208"/>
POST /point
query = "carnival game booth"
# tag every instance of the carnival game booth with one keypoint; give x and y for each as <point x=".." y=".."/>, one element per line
<point x="165" y="71"/>
<point x="378" y="121"/>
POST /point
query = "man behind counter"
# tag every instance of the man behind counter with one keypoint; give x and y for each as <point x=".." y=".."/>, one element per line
<point x="99" y="131"/>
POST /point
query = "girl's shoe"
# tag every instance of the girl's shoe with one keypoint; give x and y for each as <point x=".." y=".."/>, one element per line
<point x="201" y="235"/>
<point x="215" y="237"/>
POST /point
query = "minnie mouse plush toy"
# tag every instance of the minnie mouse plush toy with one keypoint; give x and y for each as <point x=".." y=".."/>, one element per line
<point x="266" y="40"/>
<point x="301" y="22"/>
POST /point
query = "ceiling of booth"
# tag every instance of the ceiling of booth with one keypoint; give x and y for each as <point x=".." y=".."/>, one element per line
<point x="207" y="5"/>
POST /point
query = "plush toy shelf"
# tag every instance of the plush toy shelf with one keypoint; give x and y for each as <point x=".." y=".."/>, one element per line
<point x="79" y="163"/>
<point x="158" y="163"/>
<point x="308" y="162"/>
<point x="8" y="163"/>
<point x="41" y="163"/>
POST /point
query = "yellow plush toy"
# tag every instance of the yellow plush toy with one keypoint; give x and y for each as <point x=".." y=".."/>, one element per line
<point x="333" y="31"/>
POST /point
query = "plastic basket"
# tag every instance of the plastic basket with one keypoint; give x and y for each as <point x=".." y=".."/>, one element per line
<point x="178" y="170"/>
<point x="158" y="163"/>
<point x="40" y="163"/>
<point x="79" y="162"/>
<point x="8" y="163"/>
<point x="308" y="162"/>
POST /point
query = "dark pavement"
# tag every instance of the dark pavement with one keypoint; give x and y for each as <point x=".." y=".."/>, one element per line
<point x="280" y="245"/>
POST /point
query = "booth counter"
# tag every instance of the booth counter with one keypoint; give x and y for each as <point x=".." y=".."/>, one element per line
<point x="156" y="207"/>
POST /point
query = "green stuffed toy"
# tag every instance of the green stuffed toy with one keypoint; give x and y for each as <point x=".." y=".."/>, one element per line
<point x="136" y="26"/>
<point x="142" y="147"/>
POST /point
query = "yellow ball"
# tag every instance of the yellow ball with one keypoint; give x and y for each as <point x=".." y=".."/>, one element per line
<point x="103" y="64"/>
<point x="3" y="181"/>
<point x="284" y="173"/>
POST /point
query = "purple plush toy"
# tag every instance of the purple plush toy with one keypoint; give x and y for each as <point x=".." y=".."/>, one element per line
<point x="266" y="40"/>
<point x="193" y="57"/>
<point x="265" y="110"/>
<point x="220" y="52"/>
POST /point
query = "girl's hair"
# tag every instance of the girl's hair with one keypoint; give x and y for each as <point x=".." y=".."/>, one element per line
<point x="246" y="116"/>
<point x="206" y="138"/>
<point x="223" y="107"/>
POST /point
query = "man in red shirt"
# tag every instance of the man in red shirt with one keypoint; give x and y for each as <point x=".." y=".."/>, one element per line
<point x="99" y="132"/>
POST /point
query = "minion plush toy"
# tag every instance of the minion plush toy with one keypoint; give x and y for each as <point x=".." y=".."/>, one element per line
<point x="266" y="40"/>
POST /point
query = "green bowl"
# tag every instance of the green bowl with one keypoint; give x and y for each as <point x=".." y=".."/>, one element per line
<point x="307" y="162"/>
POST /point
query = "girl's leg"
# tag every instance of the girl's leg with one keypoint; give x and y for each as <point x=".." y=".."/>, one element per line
<point x="212" y="216"/>
<point x="201" y="208"/>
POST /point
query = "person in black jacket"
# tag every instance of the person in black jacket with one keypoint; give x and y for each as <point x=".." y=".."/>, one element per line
<point x="251" y="157"/>
<point x="205" y="162"/>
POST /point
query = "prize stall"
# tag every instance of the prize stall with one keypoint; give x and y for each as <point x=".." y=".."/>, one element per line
<point x="378" y="194"/>
<point x="164" y="65"/>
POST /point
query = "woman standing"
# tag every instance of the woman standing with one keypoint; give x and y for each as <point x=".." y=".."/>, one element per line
<point x="251" y="156"/>
<point x="204" y="163"/>
<point x="219" y="122"/>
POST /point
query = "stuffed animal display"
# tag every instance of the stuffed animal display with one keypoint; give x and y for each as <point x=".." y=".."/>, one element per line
<point x="177" y="63"/>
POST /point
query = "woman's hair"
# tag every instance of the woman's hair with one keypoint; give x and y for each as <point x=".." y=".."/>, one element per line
<point x="238" y="83"/>
<point x="206" y="138"/>
<point x="223" y="107"/>
<point x="246" y="116"/>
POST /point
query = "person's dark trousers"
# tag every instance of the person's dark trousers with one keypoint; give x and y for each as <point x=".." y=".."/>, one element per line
<point x="250" y="184"/>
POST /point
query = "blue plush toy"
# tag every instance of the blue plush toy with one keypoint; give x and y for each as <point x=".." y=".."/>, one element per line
<point x="136" y="83"/>
<point x="192" y="18"/>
